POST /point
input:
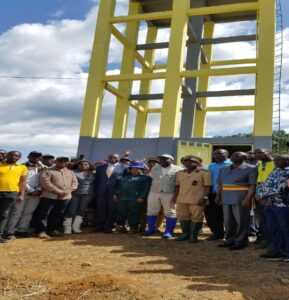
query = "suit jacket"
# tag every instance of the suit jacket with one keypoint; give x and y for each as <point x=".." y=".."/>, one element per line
<point x="102" y="183"/>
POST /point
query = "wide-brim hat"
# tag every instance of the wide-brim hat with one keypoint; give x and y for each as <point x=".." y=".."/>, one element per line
<point x="169" y="156"/>
<point x="192" y="158"/>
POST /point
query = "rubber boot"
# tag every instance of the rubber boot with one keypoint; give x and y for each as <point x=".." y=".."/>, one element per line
<point x="151" y="225"/>
<point x="186" y="226"/>
<point x="195" y="229"/>
<point x="76" y="226"/>
<point x="170" y="227"/>
<point x="67" y="226"/>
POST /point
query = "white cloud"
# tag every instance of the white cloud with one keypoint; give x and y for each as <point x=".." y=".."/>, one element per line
<point x="45" y="114"/>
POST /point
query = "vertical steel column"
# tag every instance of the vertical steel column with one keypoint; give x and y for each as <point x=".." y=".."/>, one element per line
<point x="95" y="85"/>
<point x="265" y="73"/>
<point x="145" y="86"/>
<point x="172" y="96"/>
<point x="192" y="63"/>
<point x="203" y="84"/>
<point x="122" y="105"/>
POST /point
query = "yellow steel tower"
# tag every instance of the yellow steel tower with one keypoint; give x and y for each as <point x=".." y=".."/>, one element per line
<point x="186" y="73"/>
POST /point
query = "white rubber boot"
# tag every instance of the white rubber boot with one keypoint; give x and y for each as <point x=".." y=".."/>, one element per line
<point x="67" y="223"/>
<point x="76" y="226"/>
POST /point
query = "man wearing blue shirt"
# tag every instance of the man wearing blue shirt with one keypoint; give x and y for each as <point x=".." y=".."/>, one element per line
<point x="214" y="211"/>
<point x="236" y="188"/>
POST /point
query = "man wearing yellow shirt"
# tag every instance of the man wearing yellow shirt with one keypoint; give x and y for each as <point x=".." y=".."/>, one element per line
<point x="265" y="164"/>
<point x="12" y="186"/>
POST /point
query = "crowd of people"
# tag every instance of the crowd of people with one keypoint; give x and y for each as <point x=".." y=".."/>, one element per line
<point x="243" y="195"/>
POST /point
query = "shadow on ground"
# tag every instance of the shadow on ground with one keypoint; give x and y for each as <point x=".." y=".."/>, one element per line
<point x="195" y="268"/>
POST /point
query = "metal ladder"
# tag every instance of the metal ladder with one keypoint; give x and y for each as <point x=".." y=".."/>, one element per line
<point x="278" y="68"/>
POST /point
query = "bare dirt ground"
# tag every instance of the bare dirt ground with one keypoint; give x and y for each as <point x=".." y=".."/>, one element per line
<point x="99" y="266"/>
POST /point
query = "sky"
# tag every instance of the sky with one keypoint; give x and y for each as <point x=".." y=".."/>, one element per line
<point x="52" y="39"/>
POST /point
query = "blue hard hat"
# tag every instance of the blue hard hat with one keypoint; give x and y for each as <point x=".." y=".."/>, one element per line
<point x="137" y="165"/>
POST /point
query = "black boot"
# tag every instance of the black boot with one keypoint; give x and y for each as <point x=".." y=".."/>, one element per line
<point x="185" y="225"/>
<point x="195" y="229"/>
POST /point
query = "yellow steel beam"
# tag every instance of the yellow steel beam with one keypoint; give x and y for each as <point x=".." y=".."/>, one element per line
<point x="137" y="106"/>
<point x="160" y="67"/>
<point x="122" y="104"/>
<point x="120" y="37"/>
<point x="221" y="9"/>
<point x="143" y="61"/>
<point x="199" y="125"/>
<point x="130" y="77"/>
<point x="265" y="77"/>
<point x="212" y="109"/>
<point x="154" y="110"/>
<point x="110" y="88"/>
<point x="113" y="90"/>
<point x="145" y="86"/>
<point x="229" y="108"/>
<point x="247" y="61"/>
<point x="95" y="85"/>
<point x="208" y="10"/>
<point x="186" y="74"/>
<point x="219" y="72"/>
<point x="142" y="17"/>
<point x="173" y="87"/>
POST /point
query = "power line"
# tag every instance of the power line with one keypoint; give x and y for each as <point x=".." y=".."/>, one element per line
<point x="40" y="77"/>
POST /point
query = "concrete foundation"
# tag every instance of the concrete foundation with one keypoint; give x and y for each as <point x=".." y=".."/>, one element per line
<point x="98" y="149"/>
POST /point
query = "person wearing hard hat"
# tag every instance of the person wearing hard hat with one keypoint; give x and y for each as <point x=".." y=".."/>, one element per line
<point x="192" y="187"/>
<point x="161" y="195"/>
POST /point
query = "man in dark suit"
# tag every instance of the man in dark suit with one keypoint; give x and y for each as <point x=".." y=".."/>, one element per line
<point x="104" y="182"/>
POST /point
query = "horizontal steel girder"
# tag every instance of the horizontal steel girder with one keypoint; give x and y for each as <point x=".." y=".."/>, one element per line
<point x="223" y="40"/>
<point x="209" y="94"/>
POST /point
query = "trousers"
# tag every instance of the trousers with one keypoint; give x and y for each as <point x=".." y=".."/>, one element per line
<point x="77" y="206"/>
<point x="7" y="200"/>
<point x="261" y="222"/>
<point x="21" y="214"/>
<point x="105" y="209"/>
<point x="214" y="216"/>
<point x="277" y="221"/>
<point x="190" y="212"/>
<point x="158" y="200"/>
<point x="50" y="214"/>
<point x="129" y="211"/>
<point x="237" y="222"/>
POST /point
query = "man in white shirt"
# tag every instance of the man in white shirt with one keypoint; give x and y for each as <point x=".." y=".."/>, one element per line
<point x="161" y="195"/>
